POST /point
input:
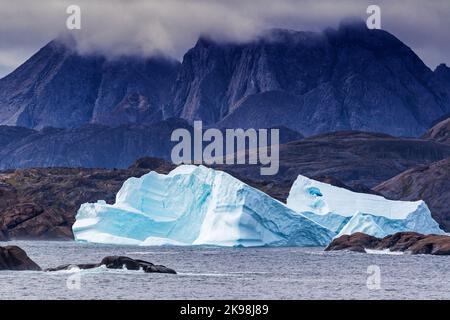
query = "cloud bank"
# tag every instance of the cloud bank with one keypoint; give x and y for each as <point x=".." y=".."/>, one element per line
<point x="171" y="27"/>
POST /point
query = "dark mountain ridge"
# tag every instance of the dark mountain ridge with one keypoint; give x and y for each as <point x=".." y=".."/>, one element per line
<point x="351" y="78"/>
<point x="58" y="87"/>
<point x="440" y="132"/>
<point x="355" y="158"/>
<point x="430" y="183"/>
<point x="346" y="79"/>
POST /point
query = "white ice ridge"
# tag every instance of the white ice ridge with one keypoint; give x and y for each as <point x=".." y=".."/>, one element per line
<point x="195" y="205"/>
<point x="347" y="212"/>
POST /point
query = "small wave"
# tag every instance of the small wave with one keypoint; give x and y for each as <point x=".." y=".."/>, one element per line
<point x="76" y="269"/>
<point x="190" y="274"/>
<point x="142" y="253"/>
<point x="100" y="269"/>
<point x="385" y="251"/>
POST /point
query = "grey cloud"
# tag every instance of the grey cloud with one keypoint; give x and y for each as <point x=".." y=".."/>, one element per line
<point x="146" y="27"/>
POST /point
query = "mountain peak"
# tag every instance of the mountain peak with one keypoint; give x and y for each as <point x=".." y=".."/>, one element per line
<point x="350" y="78"/>
<point x="59" y="87"/>
<point x="311" y="82"/>
<point x="353" y="24"/>
<point x="442" y="70"/>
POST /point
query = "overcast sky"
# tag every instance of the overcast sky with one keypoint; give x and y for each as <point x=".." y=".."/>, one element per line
<point x="143" y="27"/>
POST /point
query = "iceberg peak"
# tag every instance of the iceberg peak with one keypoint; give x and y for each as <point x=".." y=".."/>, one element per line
<point x="195" y="205"/>
<point x="346" y="212"/>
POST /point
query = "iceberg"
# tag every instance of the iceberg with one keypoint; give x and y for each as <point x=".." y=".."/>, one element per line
<point x="346" y="212"/>
<point x="195" y="205"/>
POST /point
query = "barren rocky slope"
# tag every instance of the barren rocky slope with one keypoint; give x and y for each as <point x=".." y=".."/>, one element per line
<point x="428" y="182"/>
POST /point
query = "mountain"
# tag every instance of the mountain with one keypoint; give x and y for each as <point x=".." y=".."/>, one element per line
<point x="94" y="145"/>
<point x="351" y="78"/>
<point x="57" y="87"/>
<point x="354" y="158"/>
<point x="439" y="132"/>
<point x="428" y="182"/>
<point x="89" y="146"/>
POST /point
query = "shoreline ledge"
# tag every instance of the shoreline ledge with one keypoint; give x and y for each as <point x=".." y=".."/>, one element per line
<point x="408" y="242"/>
<point x="14" y="258"/>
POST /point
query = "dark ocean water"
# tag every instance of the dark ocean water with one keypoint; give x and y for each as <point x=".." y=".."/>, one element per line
<point x="220" y="273"/>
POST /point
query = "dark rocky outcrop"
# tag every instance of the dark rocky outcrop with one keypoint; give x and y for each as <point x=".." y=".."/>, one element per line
<point x="356" y="242"/>
<point x="14" y="258"/>
<point x="359" y="160"/>
<point x="439" y="132"/>
<point x="427" y="182"/>
<point x="409" y="242"/>
<point x="58" y="87"/>
<point x="354" y="158"/>
<point x="94" y="146"/>
<point x="119" y="262"/>
<point x="89" y="146"/>
<point x="351" y="78"/>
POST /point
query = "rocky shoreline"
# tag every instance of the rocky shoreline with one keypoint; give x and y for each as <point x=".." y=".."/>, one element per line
<point x="118" y="262"/>
<point x="16" y="259"/>
<point x="408" y="242"/>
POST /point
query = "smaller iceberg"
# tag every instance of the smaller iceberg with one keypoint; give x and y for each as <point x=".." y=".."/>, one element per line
<point x="195" y="205"/>
<point x="346" y="212"/>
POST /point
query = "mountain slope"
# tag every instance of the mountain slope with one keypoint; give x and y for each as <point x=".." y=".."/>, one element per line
<point x="354" y="158"/>
<point x="351" y="78"/>
<point x="89" y="146"/>
<point x="59" y="88"/>
<point x="346" y="79"/>
<point x="430" y="183"/>
<point x="94" y="145"/>
<point x="439" y="132"/>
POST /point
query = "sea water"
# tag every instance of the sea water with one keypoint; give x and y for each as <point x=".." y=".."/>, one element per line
<point x="227" y="273"/>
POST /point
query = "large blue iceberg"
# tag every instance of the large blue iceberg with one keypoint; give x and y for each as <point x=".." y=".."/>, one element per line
<point x="195" y="205"/>
<point x="346" y="212"/>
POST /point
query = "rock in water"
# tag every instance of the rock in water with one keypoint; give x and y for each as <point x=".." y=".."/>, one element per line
<point x="14" y="258"/>
<point x="347" y="212"/>
<point x="119" y="262"/>
<point x="195" y="206"/>
<point x="357" y="242"/>
<point x="409" y="242"/>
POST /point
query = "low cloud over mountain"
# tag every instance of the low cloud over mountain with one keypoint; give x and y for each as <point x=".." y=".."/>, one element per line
<point x="147" y="27"/>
